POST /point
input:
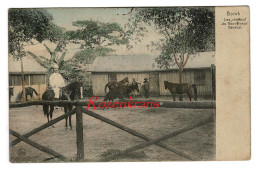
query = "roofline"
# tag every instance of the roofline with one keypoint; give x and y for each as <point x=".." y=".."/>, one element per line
<point x="144" y="71"/>
<point x="29" y="72"/>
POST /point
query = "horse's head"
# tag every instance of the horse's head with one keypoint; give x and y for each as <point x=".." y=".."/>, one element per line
<point x="64" y="94"/>
<point x="166" y="84"/>
<point x="73" y="90"/>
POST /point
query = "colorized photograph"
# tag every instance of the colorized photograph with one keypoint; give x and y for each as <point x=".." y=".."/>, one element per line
<point x="112" y="84"/>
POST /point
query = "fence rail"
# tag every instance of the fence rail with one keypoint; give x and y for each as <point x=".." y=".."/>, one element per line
<point x="79" y="127"/>
<point x="167" y="104"/>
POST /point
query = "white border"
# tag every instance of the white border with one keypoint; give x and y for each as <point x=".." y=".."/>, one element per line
<point x="255" y="65"/>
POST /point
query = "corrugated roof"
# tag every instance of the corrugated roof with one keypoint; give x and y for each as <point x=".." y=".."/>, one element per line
<point x="29" y="66"/>
<point x="135" y="63"/>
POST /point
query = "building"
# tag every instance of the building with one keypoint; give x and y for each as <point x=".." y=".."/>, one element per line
<point x="115" y="68"/>
<point x="34" y="74"/>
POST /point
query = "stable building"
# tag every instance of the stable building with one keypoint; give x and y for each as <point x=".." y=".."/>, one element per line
<point x="34" y="74"/>
<point x="199" y="70"/>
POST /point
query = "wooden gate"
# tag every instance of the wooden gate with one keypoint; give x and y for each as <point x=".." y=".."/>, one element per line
<point x="79" y="128"/>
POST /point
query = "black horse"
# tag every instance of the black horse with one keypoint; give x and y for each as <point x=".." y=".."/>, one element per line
<point x="29" y="91"/>
<point x="69" y="92"/>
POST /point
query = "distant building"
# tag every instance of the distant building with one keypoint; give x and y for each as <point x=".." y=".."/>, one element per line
<point x="34" y="74"/>
<point x="115" y="68"/>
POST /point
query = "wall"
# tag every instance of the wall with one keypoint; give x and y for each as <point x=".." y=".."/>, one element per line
<point x="99" y="80"/>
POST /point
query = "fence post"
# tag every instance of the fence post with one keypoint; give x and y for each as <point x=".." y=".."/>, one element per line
<point x="79" y="129"/>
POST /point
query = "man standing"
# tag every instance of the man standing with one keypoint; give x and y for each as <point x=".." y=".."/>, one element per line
<point x="56" y="81"/>
<point x="146" y="88"/>
<point x="135" y="84"/>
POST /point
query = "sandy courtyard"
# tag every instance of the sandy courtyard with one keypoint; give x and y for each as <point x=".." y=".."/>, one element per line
<point x="101" y="139"/>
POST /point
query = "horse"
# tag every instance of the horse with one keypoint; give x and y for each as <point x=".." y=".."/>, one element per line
<point x="114" y="85"/>
<point x="69" y="92"/>
<point x="29" y="91"/>
<point x="11" y="93"/>
<point x="129" y="88"/>
<point x="88" y="92"/>
<point x="176" y="88"/>
<point x="121" y="91"/>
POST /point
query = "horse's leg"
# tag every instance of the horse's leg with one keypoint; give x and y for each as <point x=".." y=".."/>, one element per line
<point x="51" y="111"/>
<point x="189" y="95"/>
<point x="173" y="96"/>
<point x="66" y="117"/>
<point x="70" y="108"/>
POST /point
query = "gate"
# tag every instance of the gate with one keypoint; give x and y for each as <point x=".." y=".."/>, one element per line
<point x="79" y="129"/>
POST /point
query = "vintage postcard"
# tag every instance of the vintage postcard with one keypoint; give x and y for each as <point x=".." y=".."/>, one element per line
<point x="129" y="84"/>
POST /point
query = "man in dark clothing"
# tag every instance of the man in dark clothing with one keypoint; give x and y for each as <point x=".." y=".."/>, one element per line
<point x="146" y="88"/>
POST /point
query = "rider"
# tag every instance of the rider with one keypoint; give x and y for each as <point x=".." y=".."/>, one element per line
<point x="56" y="81"/>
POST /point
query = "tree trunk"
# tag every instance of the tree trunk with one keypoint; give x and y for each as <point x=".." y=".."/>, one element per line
<point x="180" y="75"/>
<point x="23" y="81"/>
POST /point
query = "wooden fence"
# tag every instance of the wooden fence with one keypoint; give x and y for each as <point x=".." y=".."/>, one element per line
<point x="79" y="128"/>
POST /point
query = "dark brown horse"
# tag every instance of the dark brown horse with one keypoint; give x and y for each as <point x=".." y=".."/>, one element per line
<point x="29" y="91"/>
<point x="176" y="88"/>
<point x="69" y="92"/>
<point x="121" y="91"/>
<point x="114" y="85"/>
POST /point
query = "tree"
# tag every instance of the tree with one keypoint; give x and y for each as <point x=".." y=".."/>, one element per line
<point x="92" y="34"/>
<point x="186" y="31"/>
<point x="96" y="39"/>
<point x="54" y="58"/>
<point x="25" y="25"/>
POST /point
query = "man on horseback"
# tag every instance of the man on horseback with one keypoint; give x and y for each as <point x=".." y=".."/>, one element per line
<point x="56" y="81"/>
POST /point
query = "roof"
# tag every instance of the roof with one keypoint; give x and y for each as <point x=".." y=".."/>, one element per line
<point x="142" y="63"/>
<point x="30" y="66"/>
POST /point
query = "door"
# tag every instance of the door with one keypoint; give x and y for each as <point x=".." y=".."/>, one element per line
<point x="154" y="84"/>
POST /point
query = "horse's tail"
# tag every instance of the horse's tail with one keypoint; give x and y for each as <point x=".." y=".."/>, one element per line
<point x="35" y="92"/>
<point x="45" y="109"/>
<point x="106" y="88"/>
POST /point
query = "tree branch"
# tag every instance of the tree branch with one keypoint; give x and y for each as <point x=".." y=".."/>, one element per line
<point x="176" y="61"/>
<point x="186" y="60"/>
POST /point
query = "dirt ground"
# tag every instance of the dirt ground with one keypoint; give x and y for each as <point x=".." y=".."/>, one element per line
<point x="101" y="139"/>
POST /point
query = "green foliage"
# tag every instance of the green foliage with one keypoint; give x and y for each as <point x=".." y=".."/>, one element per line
<point x="25" y="25"/>
<point x="94" y="34"/>
<point x="185" y="30"/>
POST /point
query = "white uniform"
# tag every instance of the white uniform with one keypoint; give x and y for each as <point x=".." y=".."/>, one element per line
<point x="57" y="81"/>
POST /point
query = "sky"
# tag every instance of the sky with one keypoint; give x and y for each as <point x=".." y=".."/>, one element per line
<point x="64" y="17"/>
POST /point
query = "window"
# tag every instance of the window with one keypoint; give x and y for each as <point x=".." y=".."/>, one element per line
<point x="37" y="79"/>
<point x="16" y="80"/>
<point x="111" y="77"/>
<point x="199" y="77"/>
